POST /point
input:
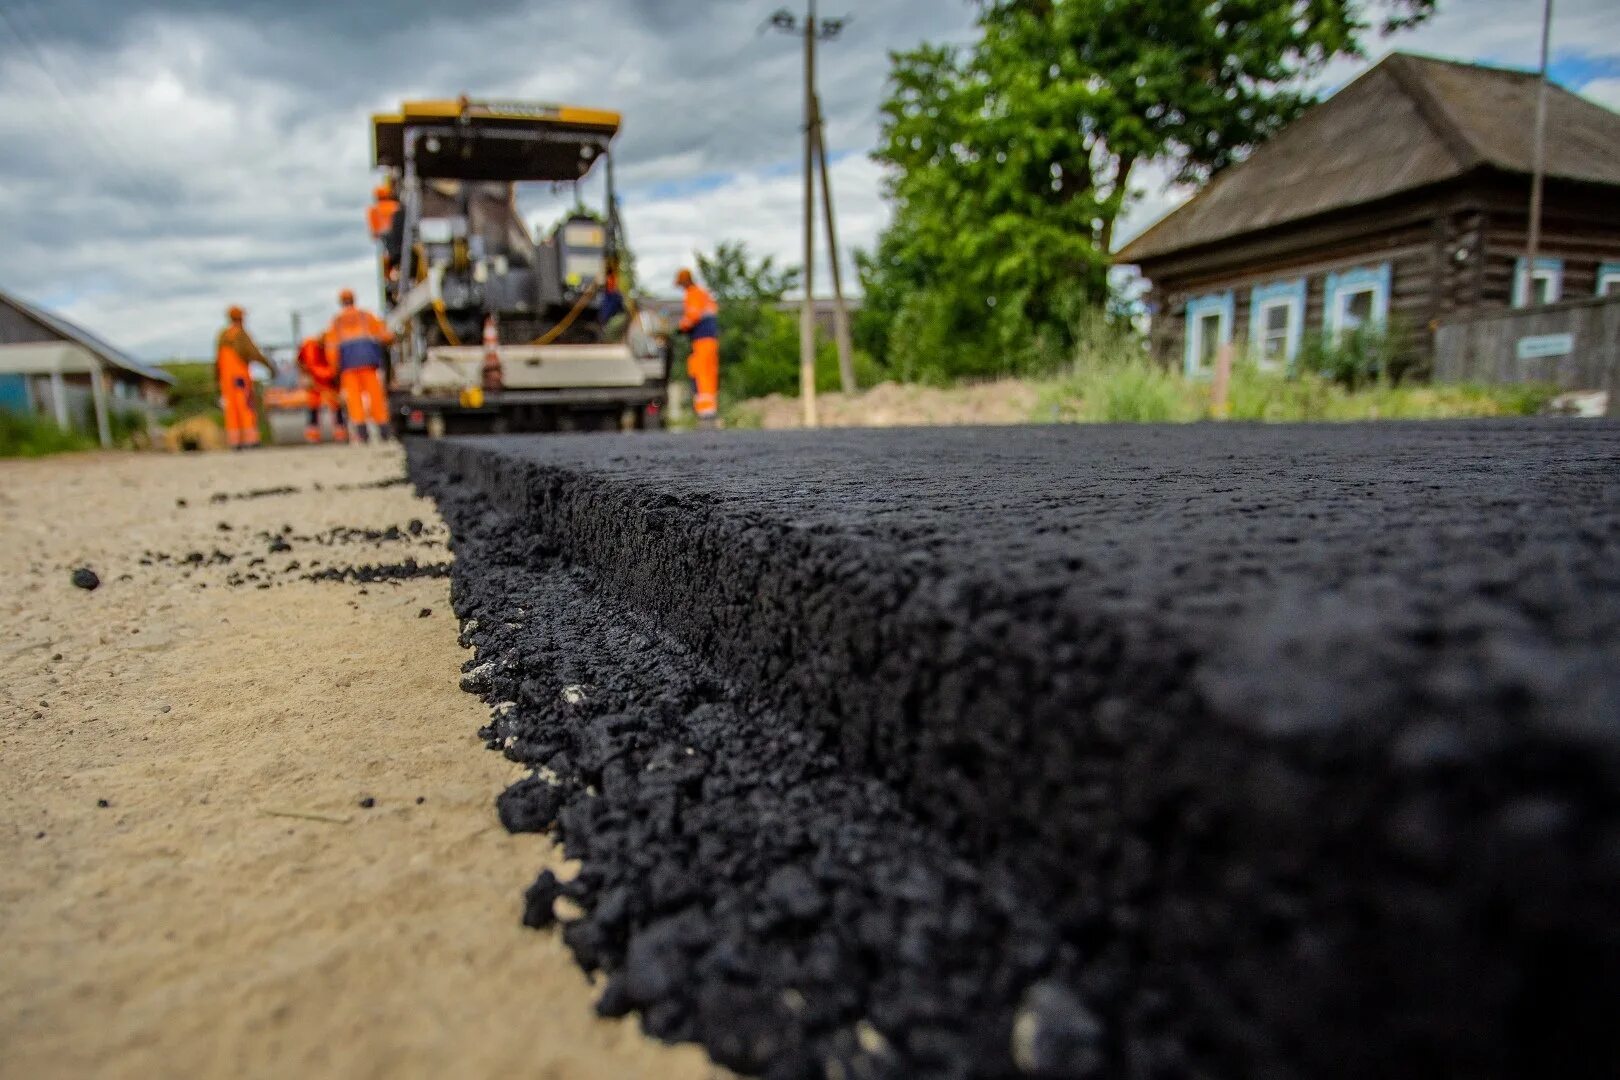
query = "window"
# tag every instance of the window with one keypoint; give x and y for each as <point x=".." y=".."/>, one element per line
<point x="1545" y="286"/>
<point x="1356" y="298"/>
<point x="1276" y="319"/>
<point x="1209" y="326"/>
<point x="1209" y="338"/>
<point x="1608" y="279"/>
<point x="1356" y="307"/>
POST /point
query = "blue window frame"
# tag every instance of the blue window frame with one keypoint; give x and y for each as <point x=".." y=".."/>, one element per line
<point x="1276" y="323"/>
<point x="1545" y="286"/>
<point x="1608" y="279"/>
<point x="1209" y="326"/>
<point x="1354" y="298"/>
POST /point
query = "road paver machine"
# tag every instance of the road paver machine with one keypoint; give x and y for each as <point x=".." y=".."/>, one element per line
<point x="497" y="329"/>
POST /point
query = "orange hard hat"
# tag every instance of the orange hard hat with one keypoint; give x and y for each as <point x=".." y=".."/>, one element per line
<point x="235" y="313"/>
<point x="383" y="191"/>
<point x="346" y="296"/>
<point x="683" y="276"/>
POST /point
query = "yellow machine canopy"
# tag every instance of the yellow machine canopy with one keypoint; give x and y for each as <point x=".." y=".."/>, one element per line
<point x="494" y="140"/>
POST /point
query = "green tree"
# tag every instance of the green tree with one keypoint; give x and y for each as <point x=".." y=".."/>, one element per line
<point x="759" y="343"/>
<point x="732" y="277"/>
<point x="747" y="293"/>
<point x="1013" y="159"/>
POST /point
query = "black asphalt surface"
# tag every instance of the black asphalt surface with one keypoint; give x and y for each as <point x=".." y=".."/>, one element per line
<point x="1149" y="751"/>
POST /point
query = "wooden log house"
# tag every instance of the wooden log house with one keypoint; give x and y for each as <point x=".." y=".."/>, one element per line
<point x="1400" y="200"/>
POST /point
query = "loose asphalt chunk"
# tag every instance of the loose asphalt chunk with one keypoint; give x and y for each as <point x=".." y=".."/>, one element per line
<point x="1215" y="751"/>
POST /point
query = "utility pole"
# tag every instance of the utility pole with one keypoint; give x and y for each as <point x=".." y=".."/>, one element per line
<point x="807" y="312"/>
<point x="846" y="351"/>
<point x="297" y="328"/>
<point x="1533" y="243"/>
<point x="812" y="31"/>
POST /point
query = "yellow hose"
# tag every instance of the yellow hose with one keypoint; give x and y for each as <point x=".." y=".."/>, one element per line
<point x="544" y="339"/>
<point x="444" y="323"/>
<point x="568" y="320"/>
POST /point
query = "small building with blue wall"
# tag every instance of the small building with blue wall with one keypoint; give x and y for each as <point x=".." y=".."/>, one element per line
<point x="52" y="368"/>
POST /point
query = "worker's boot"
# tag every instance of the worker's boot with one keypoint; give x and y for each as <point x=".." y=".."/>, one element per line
<point x="375" y="432"/>
<point x="312" y="434"/>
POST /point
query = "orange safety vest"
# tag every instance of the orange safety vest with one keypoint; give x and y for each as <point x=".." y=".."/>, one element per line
<point x="313" y="362"/>
<point x="701" y="317"/>
<point x="381" y="216"/>
<point x="356" y="339"/>
<point x="234" y="351"/>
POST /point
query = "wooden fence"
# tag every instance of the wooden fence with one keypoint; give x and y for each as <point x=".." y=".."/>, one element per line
<point x="1574" y="344"/>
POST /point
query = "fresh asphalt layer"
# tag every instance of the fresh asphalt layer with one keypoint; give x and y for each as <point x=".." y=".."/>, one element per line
<point x="1141" y="751"/>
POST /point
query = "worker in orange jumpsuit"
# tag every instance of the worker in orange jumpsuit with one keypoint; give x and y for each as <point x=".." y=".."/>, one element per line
<point x="380" y="219"/>
<point x="381" y="214"/>
<point x="321" y="382"/>
<point x="357" y="347"/>
<point x="233" y="352"/>
<point x="612" y="304"/>
<point x="700" y="321"/>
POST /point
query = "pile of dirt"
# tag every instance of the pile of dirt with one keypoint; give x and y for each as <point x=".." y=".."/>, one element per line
<point x="1004" y="401"/>
<point x="194" y="433"/>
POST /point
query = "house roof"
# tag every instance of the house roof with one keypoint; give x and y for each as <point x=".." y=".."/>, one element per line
<point x="69" y="331"/>
<point x="1407" y="122"/>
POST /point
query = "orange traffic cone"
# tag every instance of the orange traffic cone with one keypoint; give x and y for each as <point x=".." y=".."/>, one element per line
<point x="492" y="354"/>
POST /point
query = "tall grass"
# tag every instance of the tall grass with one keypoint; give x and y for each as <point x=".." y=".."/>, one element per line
<point x="1114" y="381"/>
<point x="33" y="436"/>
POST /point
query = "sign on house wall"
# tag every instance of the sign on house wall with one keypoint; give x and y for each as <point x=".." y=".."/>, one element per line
<point x="1541" y="346"/>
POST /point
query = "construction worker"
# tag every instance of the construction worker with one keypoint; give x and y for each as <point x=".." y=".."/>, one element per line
<point x="233" y="353"/>
<point x="701" y="323"/>
<point x="383" y="218"/>
<point x="612" y="298"/>
<point x="321" y="383"/>
<point x="356" y="346"/>
<point x="381" y="214"/>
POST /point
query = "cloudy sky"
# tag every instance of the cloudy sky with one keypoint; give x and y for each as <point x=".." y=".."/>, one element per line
<point x="160" y="159"/>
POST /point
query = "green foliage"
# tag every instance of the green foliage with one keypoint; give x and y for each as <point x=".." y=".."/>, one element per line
<point x="759" y="343"/>
<point x="195" y="391"/>
<point x="732" y="278"/>
<point x="1363" y="356"/>
<point x="35" y="436"/>
<point x="747" y="293"/>
<point x="127" y="426"/>
<point x="1012" y="160"/>
<point x="769" y="359"/>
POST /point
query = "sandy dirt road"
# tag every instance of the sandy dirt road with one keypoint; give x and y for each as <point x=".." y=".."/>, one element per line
<point x="187" y="927"/>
